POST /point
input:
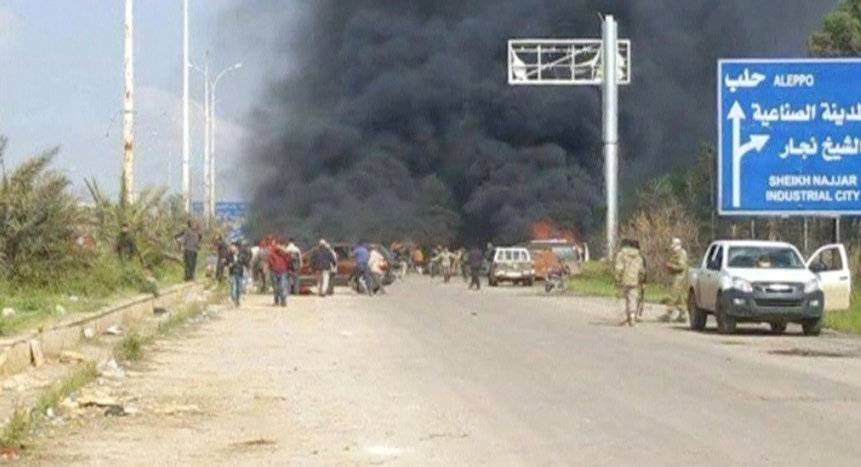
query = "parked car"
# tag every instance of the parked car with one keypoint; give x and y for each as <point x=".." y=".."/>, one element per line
<point x="768" y="282"/>
<point x="513" y="265"/>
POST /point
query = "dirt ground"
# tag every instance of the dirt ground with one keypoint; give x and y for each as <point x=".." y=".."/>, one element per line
<point x="433" y="374"/>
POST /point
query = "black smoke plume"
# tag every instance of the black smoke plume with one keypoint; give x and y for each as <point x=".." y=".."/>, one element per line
<point x="392" y="119"/>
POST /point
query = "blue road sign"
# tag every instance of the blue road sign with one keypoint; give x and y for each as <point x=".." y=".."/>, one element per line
<point x="232" y="213"/>
<point x="789" y="137"/>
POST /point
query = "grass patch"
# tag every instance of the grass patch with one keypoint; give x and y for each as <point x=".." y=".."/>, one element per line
<point x="24" y="422"/>
<point x="596" y="279"/>
<point x="848" y="321"/>
<point x="131" y="348"/>
<point x="175" y="321"/>
<point x="112" y="281"/>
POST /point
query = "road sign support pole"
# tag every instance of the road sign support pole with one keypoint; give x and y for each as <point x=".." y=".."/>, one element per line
<point x="806" y="229"/>
<point x="836" y="230"/>
<point x="610" y="94"/>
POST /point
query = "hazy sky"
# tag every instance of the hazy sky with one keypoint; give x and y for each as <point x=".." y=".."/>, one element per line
<point x="62" y="84"/>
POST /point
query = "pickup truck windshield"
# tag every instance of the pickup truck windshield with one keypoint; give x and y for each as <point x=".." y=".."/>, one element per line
<point x="751" y="257"/>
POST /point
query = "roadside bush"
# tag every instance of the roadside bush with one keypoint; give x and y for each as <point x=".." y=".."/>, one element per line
<point x="39" y="223"/>
<point x="154" y="219"/>
<point x="660" y="219"/>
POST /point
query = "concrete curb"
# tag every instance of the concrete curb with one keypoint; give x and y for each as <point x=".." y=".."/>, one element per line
<point x="17" y="352"/>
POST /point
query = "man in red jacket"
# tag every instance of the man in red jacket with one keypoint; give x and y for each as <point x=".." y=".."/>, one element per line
<point x="279" y="265"/>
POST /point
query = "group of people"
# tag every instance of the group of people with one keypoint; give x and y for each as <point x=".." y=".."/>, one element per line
<point x="469" y="264"/>
<point x="630" y="274"/>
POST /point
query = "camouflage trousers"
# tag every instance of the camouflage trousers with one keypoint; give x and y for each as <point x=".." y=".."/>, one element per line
<point x="677" y="299"/>
<point x="632" y="302"/>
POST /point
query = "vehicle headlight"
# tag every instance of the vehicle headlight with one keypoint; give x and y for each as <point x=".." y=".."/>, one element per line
<point x="742" y="285"/>
<point x="811" y="286"/>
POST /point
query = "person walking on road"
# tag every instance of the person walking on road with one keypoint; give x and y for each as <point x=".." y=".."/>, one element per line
<point x="236" y="260"/>
<point x="418" y="259"/>
<point x="630" y="273"/>
<point x="376" y="260"/>
<point x="476" y="262"/>
<point x="363" y="272"/>
<point x="295" y="266"/>
<point x="190" y="239"/>
<point x="279" y="266"/>
<point x="222" y="250"/>
<point x="322" y="262"/>
<point x="445" y="260"/>
<point x="678" y="269"/>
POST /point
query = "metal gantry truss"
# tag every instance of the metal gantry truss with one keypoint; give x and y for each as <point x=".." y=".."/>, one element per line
<point x="563" y="62"/>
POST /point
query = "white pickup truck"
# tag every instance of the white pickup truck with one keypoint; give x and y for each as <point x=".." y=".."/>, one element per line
<point x="742" y="281"/>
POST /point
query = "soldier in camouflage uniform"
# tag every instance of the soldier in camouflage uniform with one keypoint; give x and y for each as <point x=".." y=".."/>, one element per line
<point x="630" y="272"/>
<point x="678" y="268"/>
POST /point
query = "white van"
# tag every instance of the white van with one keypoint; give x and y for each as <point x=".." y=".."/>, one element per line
<point x="514" y="265"/>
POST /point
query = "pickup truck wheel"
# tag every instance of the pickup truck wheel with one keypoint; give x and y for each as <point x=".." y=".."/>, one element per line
<point x="778" y="328"/>
<point x="725" y="322"/>
<point x="698" y="316"/>
<point x="530" y="282"/>
<point x="812" y="327"/>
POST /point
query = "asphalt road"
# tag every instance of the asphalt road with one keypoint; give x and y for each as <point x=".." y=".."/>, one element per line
<point x="434" y="374"/>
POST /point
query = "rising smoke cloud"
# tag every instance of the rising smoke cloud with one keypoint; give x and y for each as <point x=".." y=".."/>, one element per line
<point x="392" y="119"/>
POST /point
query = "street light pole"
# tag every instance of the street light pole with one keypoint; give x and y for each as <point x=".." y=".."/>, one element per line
<point x="128" y="180"/>
<point x="207" y="182"/>
<point x="212" y="120"/>
<point x="186" y="135"/>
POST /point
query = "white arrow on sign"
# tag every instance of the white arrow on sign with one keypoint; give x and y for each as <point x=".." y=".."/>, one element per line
<point x="757" y="142"/>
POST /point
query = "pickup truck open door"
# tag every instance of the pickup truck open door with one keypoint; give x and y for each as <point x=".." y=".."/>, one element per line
<point x="831" y="265"/>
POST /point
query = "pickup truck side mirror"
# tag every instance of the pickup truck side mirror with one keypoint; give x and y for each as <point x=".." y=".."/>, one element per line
<point x="817" y="267"/>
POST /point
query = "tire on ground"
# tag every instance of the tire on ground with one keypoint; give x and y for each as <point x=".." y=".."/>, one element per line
<point x="698" y="316"/>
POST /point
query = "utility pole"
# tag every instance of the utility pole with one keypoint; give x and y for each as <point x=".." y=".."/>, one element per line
<point x="186" y="136"/>
<point x="207" y="146"/>
<point x="212" y="150"/>
<point x="128" y="180"/>
<point x="610" y="94"/>
<point x="212" y="172"/>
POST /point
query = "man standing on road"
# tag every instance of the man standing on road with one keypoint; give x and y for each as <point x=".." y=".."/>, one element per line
<point x="190" y="240"/>
<point x="236" y="261"/>
<point x="678" y="268"/>
<point x="476" y="262"/>
<point x="630" y="272"/>
<point x="322" y="261"/>
<point x="296" y="266"/>
<point x="222" y="249"/>
<point x="376" y="260"/>
<point x="279" y="266"/>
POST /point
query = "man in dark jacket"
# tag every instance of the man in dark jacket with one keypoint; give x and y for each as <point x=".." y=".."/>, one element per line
<point x="476" y="262"/>
<point x="126" y="247"/>
<point x="190" y="241"/>
<point x="222" y="250"/>
<point x="237" y="261"/>
<point x="322" y="262"/>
